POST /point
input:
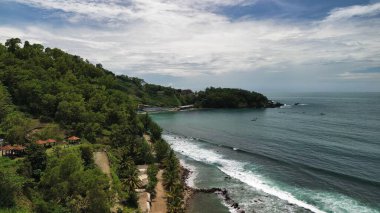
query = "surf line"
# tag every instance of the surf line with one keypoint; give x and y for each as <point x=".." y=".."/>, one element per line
<point x="256" y="183"/>
<point x="233" y="169"/>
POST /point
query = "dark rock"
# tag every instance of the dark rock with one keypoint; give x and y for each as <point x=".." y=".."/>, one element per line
<point x="273" y="104"/>
<point x="235" y="205"/>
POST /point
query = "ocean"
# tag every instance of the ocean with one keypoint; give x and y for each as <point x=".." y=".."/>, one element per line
<point x="321" y="154"/>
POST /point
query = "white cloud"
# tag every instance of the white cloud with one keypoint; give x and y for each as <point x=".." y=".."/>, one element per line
<point x="358" y="76"/>
<point x="354" y="11"/>
<point x="185" y="38"/>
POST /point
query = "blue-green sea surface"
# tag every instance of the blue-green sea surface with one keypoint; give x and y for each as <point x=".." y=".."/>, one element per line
<point x="321" y="155"/>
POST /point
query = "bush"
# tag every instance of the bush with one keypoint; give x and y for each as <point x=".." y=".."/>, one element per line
<point x="87" y="155"/>
<point x="155" y="131"/>
<point x="152" y="178"/>
<point x="162" y="149"/>
<point x="10" y="183"/>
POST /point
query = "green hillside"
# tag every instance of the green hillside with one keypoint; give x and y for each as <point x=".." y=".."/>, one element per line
<point x="49" y="95"/>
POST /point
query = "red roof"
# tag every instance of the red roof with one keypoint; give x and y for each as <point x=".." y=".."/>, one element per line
<point x="15" y="147"/>
<point x="7" y="148"/>
<point x="73" y="138"/>
<point x="40" y="142"/>
<point x="51" y="141"/>
<point x="18" y="147"/>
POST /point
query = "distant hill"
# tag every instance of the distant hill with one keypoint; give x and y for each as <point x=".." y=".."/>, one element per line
<point x="231" y="98"/>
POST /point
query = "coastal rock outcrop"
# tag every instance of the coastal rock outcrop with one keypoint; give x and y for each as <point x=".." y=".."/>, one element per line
<point x="223" y="193"/>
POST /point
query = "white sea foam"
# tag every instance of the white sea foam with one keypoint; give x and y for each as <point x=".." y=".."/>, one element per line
<point x="193" y="173"/>
<point x="232" y="168"/>
<point x="285" y="106"/>
<point x="332" y="201"/>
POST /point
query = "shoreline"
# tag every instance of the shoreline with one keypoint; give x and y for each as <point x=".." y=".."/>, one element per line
<point x="190" y="191"/>
<point x="271" y="105"/>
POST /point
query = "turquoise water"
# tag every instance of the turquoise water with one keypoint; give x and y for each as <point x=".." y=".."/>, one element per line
<point x="322" y="155"/>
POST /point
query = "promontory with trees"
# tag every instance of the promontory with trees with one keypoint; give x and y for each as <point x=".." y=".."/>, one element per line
<point x="50" y="100"/>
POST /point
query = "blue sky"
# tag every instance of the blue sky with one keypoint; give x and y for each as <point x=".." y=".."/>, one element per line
<point x="262" y="45"/>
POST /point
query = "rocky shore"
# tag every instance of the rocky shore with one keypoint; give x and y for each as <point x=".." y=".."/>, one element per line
<point x="222" y="193"/>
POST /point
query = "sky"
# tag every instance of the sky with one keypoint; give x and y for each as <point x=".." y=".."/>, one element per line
<point x="261" y="45"/>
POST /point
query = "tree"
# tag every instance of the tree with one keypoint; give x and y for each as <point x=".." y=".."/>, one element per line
<point x="230" y="98"/>
<point x="162" y="149"/>
<point x="66" y="182"/>
<point x="37" y="159"/>
<point x="171" y="173"/>
<point x="13" y="44"/>
<point x="6" y="106"/>
<point x="98" y="201"/>
<point x="10" y="183"/>
<point x="87" y="155"/>
<point x="152" y="178"/>
<point x="155" y="130"/>
<point x="8" y="189"/>
<point x="129" y="177"/>
<point x="70" y="112"/>
<point x="15" y="126"/>
<point x="173" y="184"/>
<point x="175" y="199"/>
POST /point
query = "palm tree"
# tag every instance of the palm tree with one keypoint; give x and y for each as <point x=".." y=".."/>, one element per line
<point x="171" y="173"/>
<point x="129" y="175"/>
<point x="175" y="198"/>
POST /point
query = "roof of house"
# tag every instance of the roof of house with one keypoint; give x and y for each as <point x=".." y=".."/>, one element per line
<point x="18" y="147"/>
<point x="10" y="147"/>
<point x="73" y="138"/>
<point x="50" y="140"/>
<point x="7" y="147"/>
<point x="40" y="142"/>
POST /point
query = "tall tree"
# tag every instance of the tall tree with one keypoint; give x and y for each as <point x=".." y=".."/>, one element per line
<point x="13" y="44"/>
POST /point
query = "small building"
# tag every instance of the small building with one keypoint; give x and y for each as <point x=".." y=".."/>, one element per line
<point x="6" y="150"/>
<point x="19" y="150"/>
<point x="9" y="150"/>
<point x="41" y="142"/>
<point x="73" y="140"/>
<point x="51" y="142"/>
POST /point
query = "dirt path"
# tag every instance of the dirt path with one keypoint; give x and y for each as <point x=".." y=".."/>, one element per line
<point x="101" y="160"/>
<point x="159" y="203"/>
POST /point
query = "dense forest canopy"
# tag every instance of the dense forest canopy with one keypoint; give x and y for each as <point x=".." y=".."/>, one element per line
<point x="231" y="98"/>
<point x="48" y="94"/>
<point x="52" y="85"/>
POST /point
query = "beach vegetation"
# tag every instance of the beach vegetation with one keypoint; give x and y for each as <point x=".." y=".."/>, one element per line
<point x="152" y="179"/>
